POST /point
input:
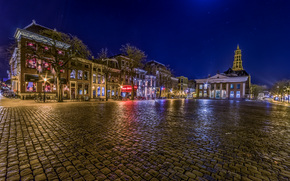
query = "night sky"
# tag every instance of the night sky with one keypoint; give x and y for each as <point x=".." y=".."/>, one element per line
<point x="195" y="37"/>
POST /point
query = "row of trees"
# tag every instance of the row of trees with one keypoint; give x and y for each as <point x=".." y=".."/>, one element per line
<point x="281" y="89"/>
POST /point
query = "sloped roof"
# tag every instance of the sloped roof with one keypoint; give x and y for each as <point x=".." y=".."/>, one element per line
<point x="35" y="28"/>
<point x="231" y="73"/>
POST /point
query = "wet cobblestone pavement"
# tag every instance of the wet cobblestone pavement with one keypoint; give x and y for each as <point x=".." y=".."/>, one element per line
<point x="146" y="140"/>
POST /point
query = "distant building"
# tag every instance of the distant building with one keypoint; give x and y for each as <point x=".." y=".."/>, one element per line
<point x="232" y="84"/>
<point x="182" y="86"/>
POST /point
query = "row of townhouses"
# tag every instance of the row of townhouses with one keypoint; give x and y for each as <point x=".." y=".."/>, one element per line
<point x="84" y="78"/>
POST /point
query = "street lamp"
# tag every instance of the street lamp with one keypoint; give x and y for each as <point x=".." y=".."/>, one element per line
<point x="45" y="79"/>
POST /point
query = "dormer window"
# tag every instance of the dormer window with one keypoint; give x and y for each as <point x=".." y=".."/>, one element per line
<point x="31" y="45"/>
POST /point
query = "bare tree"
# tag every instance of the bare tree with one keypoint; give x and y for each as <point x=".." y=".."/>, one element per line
<point x="135" y="60"/>
<point x="104" y="60"/>
<point x="58" y="49"/>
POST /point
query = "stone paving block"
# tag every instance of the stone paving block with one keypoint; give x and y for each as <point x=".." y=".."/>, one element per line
<point x="67" y="144"/>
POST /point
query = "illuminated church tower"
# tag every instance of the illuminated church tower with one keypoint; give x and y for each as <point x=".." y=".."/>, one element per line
<point x="238" y="63"/>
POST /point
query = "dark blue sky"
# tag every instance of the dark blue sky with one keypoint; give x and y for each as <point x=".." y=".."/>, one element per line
<point x="195" y="37"/>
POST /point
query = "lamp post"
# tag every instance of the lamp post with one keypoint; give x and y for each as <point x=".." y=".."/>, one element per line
<point x="45" y="79"/>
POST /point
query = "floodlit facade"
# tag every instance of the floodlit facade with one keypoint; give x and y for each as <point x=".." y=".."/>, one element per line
<point x="232" y="84"/>
<point x="81" y="78"/>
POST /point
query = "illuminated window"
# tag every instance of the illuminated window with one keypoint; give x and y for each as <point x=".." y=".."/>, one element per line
<point x="86" y="89"/>
<point x="73" y="74"/>
<point x="205" y="93"/>
<point x="31" y="45"/>
<point x="99" y="91"/>
<point x="103" y="91"/>
<point x="47" y="87"/>
<point x="31" y="62"/>
<point x="232" y="94"/>
<point x="232" y="86"/>
<point x="94" y="78"/>
<point x="86" y="75"/>
<point x="200" y="86"/>
<point x="60" y="52"/>
<point x="80" y="89"/>
<point x="238" y="86"/>
<point x="238" y="94"/>
<point x="30" y="87"/>
<point x="200" y="93"/>
<point x="80" y="74"/>
<point x="46" y="66"/>
<point x="205" y="86"/>
<point x="99" y="79"/>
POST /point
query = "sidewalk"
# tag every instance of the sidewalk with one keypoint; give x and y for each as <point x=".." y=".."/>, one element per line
<point x="280" y="103"/>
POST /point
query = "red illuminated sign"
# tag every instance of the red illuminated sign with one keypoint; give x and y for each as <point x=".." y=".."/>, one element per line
<point x="128" y="88"/>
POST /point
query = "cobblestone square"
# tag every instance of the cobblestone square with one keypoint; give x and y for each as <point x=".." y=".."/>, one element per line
<point x="145" y="140"/>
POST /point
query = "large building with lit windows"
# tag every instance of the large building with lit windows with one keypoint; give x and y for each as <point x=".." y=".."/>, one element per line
<point x="232" y="84"/>
<point x="82" y="79"/>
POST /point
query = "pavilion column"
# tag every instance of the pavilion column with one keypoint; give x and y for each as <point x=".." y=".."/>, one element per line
<point x="209" y="90"/>
<point x="221" y="90"/>
<point x="227" y="89"/>
<point x="244" y="89"/>
<point x="91" y="81"/>
<point x="197" y="90"/>
<point x="214" y="91"/>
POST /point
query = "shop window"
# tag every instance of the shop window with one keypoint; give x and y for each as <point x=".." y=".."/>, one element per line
<point x="232" y="86"/>
<point x="30" y="87"/>
<point x="99" y="92"/>
<point x="94" y="78"/>
<point x="80" y="89"/>
<point x="80" y="74"/>
<point x="238" y="94"/>
<point x="86" y="89"/>
<point x="238" y="86"/>
<point x="46" y="88"/>
<point x="103" y="91"/>
<point x="232" y="94"/>
<point x="86" y="75"/>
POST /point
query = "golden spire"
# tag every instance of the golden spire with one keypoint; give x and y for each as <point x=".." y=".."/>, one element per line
<point x="237" y="65"/>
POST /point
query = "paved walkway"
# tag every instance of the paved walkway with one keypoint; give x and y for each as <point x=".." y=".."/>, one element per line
<point x="144" y="140"/>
